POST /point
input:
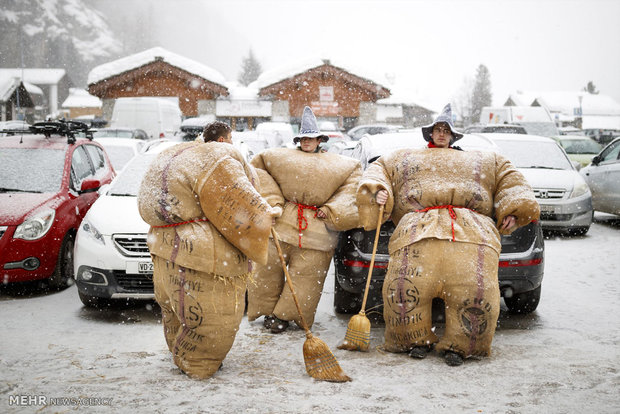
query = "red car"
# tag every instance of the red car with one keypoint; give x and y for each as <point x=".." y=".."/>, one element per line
<point x="48" y="181"/>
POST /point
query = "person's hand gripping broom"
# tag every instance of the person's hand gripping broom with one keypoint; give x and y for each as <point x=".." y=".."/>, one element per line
<point x="320" y="362"/>
<point x="357" y="337"/>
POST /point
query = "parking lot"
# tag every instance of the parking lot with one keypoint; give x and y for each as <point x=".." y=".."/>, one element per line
<point x="561" y="358"/>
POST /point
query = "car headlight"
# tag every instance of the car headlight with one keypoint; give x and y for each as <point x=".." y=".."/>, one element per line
<point x="92" y="232"/>
<point x="35" y="226"/>
<point x="580" y="187"/>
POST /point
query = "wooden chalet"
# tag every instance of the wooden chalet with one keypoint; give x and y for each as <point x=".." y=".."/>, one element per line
<point x="158" y="72"/>
<point x="332" y="92"/>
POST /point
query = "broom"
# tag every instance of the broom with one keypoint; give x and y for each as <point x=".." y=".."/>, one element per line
<point x="320" y="362"/>
<point x="357" y="337"/>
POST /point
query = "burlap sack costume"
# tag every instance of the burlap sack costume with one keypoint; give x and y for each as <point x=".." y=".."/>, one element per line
<point x="446" y="243"/>
<point x="300" y="182"/>
<point x="207" y="220"/>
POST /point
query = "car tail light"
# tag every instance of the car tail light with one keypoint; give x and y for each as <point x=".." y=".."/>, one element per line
<point x="519" y="263"/>
<point x="363" y="263"/>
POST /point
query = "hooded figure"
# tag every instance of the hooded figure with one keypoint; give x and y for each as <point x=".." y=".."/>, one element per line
<point x="207" y="221"/>
<point x="316" y="191"/>
<point x="449" y="208"/>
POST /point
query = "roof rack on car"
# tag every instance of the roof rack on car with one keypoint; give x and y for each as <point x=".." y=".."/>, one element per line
<point x="62" y="127"/>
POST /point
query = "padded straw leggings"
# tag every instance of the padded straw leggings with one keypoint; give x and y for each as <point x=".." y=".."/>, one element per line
<point x="269" y="293"/>
<point x="464" y="275"/>
<point x="201" y="313"/>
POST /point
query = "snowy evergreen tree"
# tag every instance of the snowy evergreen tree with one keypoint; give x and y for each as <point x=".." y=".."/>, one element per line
<point x="481" y="94"/>
<point x="590" y="88"/>
<point x="250" y="70"/>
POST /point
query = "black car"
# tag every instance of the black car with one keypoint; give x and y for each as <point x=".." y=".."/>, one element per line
<point x="521" y="262"/>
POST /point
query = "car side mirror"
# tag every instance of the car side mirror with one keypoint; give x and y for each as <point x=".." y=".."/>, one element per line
<point x="576" y="165"/>
<point x="90" y="185"/>
<point x="596" y="160"/>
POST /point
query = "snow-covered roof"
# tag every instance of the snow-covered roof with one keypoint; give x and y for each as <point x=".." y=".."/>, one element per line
<point x="79" y="98"/>
<point x="238" y="91"/>
<point x="114" y="68"/>
<point x="9" y="84"/>
<point x="7" y="87"/>
<point x="33" y="89"/>
<point x="522" y="98"/>
<point x="292" y="69"/>
<point x="567" y="102"/>
<point x="35" y="76"/>
<point x="600" y="122"/>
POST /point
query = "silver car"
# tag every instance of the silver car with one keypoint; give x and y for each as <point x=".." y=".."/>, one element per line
<point x="603" y="177"/>
<point x="564" y="196"/>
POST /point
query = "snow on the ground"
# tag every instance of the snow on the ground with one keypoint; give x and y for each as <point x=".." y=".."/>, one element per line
<point x="562" y="358"/>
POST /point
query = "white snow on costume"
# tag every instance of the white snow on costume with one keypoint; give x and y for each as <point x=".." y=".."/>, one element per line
<point x="207" y="220"/>
<point x="447" y="206"/>
<point x="300" y="182"/>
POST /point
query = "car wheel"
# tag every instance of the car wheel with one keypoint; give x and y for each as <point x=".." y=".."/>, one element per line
<point x="345" y="302"/>
<point x="64" y="265"/>
<point x="524" y="302"/>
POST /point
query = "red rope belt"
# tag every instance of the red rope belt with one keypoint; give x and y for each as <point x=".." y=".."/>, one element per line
<point x="183" y="222"/>
<point x="450" y="211"/>
<point x="303" y="223"/>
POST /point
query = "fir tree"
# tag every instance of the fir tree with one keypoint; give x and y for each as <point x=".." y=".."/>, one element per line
<point x="481" y="94"/>
<point x="590" y="88"/>
<point x="250" y="70"/>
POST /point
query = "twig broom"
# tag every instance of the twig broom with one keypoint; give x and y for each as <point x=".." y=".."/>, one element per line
<point x="357" y="337"/>
<point x="320" y="362"/>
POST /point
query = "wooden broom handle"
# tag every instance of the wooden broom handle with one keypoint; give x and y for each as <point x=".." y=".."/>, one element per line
<point x="304" y="325"/>
<point x="372" y="259"/>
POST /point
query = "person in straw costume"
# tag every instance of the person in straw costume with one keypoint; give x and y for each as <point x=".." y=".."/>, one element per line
<point x="207" y="221"/>
<point x="449" y="207"/>
<point x="316" y="191"/>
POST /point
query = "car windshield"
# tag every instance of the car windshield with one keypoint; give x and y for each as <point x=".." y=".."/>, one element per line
<point x="543" y="129"/>
<point x="127" y="183"/>
<point x="581" y="146"/>
<point x="31" y="170"/>
<point x="529" y="154"/>
<point x="119" y="155"/>
<point x="112" y="133"/>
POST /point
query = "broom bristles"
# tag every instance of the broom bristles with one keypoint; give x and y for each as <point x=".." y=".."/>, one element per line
<point x="357" y="337"/>
<point x="321" y="363"/>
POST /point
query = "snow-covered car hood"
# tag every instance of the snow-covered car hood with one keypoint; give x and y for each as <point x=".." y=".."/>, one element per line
<point x="114" y="214"/>
<point x="545" y="178"/>
<point x="15" y="207"/>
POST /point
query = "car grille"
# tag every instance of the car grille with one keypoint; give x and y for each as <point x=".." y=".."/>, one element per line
<point x="549" y="194"/>
<point x="2" y="230"/>
<point x="131" y="245"/>
<point x="135" y="283"/>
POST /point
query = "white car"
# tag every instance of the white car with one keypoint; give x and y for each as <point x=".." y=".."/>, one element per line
<point x="356" y="133"/>
<point x="121" y="150"/>
<point x="564" y="196"/>
<point x="111" y="258"/>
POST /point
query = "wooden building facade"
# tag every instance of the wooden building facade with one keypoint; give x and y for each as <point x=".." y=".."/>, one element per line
<point x="333" y="94"/>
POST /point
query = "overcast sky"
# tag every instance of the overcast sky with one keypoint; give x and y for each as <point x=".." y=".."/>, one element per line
<point x="427" y="48"/>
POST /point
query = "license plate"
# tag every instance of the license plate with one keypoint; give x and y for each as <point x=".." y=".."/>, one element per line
<point x="145" y="267"/>
<point x="547" y="209"/>
<point x="139" y="267"/>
